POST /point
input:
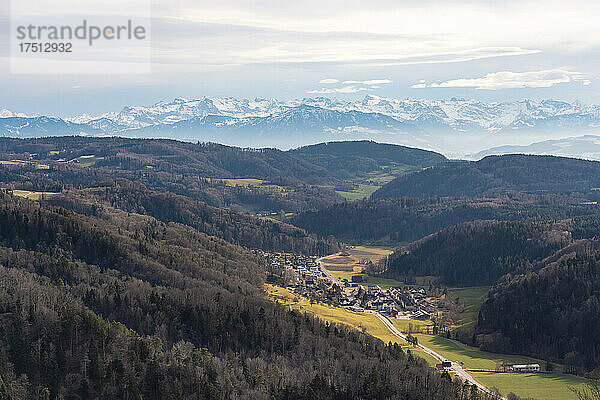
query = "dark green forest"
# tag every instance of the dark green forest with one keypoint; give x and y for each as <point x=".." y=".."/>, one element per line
<point x="476" y="253"/>
<point x="496" y="175"/>
<point x="396" y="221"/>
<point x="550" y="312"/>
<point x="359" y="159"/>
<point x="236" y="228"/>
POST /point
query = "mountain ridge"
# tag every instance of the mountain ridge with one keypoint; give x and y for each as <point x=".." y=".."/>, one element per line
<point x="286" y="124"/>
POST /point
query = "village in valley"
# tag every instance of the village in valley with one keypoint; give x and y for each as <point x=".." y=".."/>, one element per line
<point x="338" y="281"/>
<point x="306" y="276"/>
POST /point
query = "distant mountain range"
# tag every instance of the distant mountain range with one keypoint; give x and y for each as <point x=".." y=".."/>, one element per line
<point x="454" y="126"/>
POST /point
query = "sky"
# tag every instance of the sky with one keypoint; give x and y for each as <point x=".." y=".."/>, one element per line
<point x="487" y="50"/>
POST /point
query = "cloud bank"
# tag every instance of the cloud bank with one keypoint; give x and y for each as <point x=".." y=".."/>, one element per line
<point x="510" y="80"/>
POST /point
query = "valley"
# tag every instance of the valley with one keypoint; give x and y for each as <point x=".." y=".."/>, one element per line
<point x="389" y="259"/>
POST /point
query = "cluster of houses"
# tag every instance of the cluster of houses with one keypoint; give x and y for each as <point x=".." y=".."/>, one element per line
<point x="303" y="275"/>
<point x="299" y="270"/>
<point x="413" y="301"/>
<point x="395" y="302"/>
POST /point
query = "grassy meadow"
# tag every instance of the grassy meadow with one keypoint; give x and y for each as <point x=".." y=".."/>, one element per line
<point x="31" y="195"/>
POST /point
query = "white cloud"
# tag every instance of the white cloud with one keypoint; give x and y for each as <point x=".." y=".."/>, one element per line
<point x="328" y="81"/>
<point x="510" y="80"/>
<point x="369" y="82"/>
<point x="343" y="89"/>
<point x="556" y="23"/>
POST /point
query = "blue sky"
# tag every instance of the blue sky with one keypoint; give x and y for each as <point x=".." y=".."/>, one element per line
<point x="489" y="50"/>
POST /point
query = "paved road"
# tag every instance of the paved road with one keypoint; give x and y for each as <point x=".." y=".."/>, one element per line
<point x="327" y="273"/>
<point x="456" y="368"/>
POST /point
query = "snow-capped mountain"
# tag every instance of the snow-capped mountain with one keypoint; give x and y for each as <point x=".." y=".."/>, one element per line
<point x="446" y="125"/>
<point x="4" y="113"/>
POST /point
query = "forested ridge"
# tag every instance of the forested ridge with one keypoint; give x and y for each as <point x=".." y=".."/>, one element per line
<point x="476" y="253"/>
<point x="494" y="175"/>
<point x="481" y="252"/>
<point x="551" y="312"/>
<point x="294" y="180"/>
<point x="236" y="228"/>
<point x="357" y="159"/>
<point x="396" y="221"/>
<point x="195" y="170"/>
<point x="125" y="306"/>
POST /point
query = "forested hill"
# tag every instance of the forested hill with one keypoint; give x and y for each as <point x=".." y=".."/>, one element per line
<point x="128" y="307"/>
<point x="236" y="228"/>
<point x="202" y="159"/>
<point x="477" y="253"/>
<point x="205" y="172"/>
<point x="323" y="164"/>
<point x="552" y="313"/>
<point x="248" y="180"/>
<point x="495" y="175"/>
<point x="481" y="252"/>
<point x="394" y="221"/>
<point x="350" y="160"/>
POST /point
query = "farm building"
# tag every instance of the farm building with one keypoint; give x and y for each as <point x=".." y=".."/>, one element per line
<point x="523" y="368"/>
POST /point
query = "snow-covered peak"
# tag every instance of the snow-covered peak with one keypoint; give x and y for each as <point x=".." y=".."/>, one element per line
<point x="452" y="114"/>
<point x="4" y="113"/>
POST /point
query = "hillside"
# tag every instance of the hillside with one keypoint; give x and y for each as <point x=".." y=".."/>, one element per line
<point x="207" y="172"/>
<point x="551" y="312"/>
<point x="367" y="160"/>
<point x="481" y="252"/>
<point x="124" y="306"/>
<point x="476" y="253"/>
<point x="203" y="159"/>
<point x="235" y="228"/>
<point x="496" y="175"/>
<point x="396" y="221"/>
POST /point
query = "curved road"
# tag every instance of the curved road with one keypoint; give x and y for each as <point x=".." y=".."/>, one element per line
<point x="456" y="368"/>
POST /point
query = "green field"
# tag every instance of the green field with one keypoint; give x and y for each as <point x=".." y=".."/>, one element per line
<point x="248" y="182"/>
<point x="471" y="357"/>
<point x="411" y="325"/>
<point x="25" y="163"/>
<point x="28" y="194"/>
<point x="243" y="182"/>
<point x="537" y="386"/>
<point x="473" y="298"/>
<point x="361" y="192"/>
<point x="384" y="251"/>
